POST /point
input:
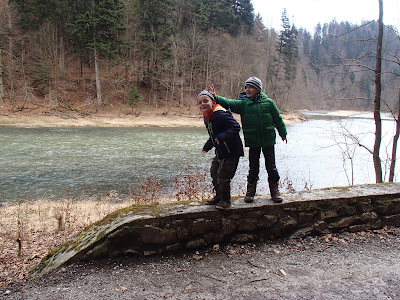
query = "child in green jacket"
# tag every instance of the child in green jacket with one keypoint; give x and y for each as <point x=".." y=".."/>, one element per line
<point x="260" y="117"/>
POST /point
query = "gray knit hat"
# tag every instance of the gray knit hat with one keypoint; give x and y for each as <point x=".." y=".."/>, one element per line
<point x="207" y="93"/>
<point x="254" y="82"/>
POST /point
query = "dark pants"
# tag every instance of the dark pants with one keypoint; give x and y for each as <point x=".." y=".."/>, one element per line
<point x="223" y="170"/>
<point x="254" y="164"/>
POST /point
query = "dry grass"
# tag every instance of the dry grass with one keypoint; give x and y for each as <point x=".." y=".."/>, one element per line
<point x="29" y="229"/>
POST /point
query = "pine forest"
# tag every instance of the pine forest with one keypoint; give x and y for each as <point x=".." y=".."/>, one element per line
<point x="82" y="55"/>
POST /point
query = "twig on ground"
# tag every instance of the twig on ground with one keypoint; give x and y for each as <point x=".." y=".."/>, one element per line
<point x="260" y="279"/>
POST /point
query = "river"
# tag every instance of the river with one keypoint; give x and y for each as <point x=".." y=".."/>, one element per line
<point x="61" y="162"/>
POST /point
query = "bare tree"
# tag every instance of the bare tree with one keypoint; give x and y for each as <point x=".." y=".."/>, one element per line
<point x="394" y="146"/>
<point x="1" y="77"/>
<point x="3" y="8"/>
<point x="9" y="64"/>
<point x="98" y="78"/>
<point x="346" y="87"/>
<point x="377" y="98"/>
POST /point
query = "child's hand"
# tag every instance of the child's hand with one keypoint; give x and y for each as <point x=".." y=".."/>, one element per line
<point x="203" y="151"/>
<point x="284" y="139"/>
<point x="211" y="89"/>
<point x="216" y="140"/>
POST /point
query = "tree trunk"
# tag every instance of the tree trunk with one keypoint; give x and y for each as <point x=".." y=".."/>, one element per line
<point x="98" y="81"/>
<point x="394" y="147"/>
<point x="61" y="61"/>
<point x="9" y="63"/>
<point x="10" y="40"/>
<point x="1" y="77"/>
<point x="377" y="99"/>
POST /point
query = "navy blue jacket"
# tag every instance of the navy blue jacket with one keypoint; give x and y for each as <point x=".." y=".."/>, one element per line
<point x="225" y="128"/>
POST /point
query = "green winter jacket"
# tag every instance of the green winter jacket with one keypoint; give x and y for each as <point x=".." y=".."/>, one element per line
<point x="260" y="116"/>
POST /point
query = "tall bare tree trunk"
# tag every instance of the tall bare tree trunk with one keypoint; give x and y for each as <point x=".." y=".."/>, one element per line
<point x="377" y="99"/>
<point x="61" y="60"/>
<point x="1" y="77"/>
<point x="10" y="41"/>
<point x="9" y="63"/>
<point x="98" y="81"/>
<point x="394" y="147"/>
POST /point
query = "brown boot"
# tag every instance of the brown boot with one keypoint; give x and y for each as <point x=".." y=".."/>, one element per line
<point x="223" y="204"/>
<point x="225" y="193"/>
<point x="275" y="194"/>
<point x="214" y="200"/>
<point x="217" y="197"/>
<point x="251" y="192"/>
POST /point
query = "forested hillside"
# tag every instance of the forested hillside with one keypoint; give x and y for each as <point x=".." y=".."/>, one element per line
<point x="81" y="54"/>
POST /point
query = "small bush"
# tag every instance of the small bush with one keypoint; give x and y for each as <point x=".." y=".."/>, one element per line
<point x="134" y="97"/>
<point x="191" y="184"/>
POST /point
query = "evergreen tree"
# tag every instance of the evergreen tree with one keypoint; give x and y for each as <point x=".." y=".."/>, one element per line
<point x="96" y="25"/>
<point x="316" y="59"/>
<point x="196" y="12"/>
<point x="134" y="97"/>
<point x="245" y="15"/>
<point x="290" y="51"/>
<point x="34" y="12"/>
<point x="286" y="62"/>
<point x="156" y="19"/>
<point x="233" y="16"/>
<point x="306" y="39"/>
<point x="156" y="27"/>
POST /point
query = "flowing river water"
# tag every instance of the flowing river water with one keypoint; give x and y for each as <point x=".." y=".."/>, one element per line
<point x="59" y="162"/>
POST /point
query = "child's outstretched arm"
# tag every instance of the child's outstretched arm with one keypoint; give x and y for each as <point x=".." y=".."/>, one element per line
<point x="235" y="105"/>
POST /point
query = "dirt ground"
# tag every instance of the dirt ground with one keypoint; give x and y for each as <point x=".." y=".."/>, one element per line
<point x="364" y="265"/>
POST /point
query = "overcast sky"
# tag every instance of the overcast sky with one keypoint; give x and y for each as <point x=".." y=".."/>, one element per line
<point x="307" y="13"/>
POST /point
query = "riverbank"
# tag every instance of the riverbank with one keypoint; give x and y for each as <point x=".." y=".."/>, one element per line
<point x="150" y="118"/>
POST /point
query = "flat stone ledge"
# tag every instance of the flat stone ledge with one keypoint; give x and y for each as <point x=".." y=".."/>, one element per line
<point x="154" y="229"/>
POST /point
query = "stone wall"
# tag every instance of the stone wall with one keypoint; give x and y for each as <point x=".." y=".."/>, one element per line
<point x="154" y="229"/>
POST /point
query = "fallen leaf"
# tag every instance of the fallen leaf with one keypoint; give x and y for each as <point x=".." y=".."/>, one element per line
<point x="282" y="272"/>
<point x="120" y="289"/>
<point x="328" y="237"/>
<point x="276" y="251"/>
<point x="36" y="255"/>
<point x="216" y="247"/>
<point x="197" y="257"/>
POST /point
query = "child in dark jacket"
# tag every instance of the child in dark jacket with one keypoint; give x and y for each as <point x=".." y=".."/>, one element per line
<point x="223" y="130"/>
